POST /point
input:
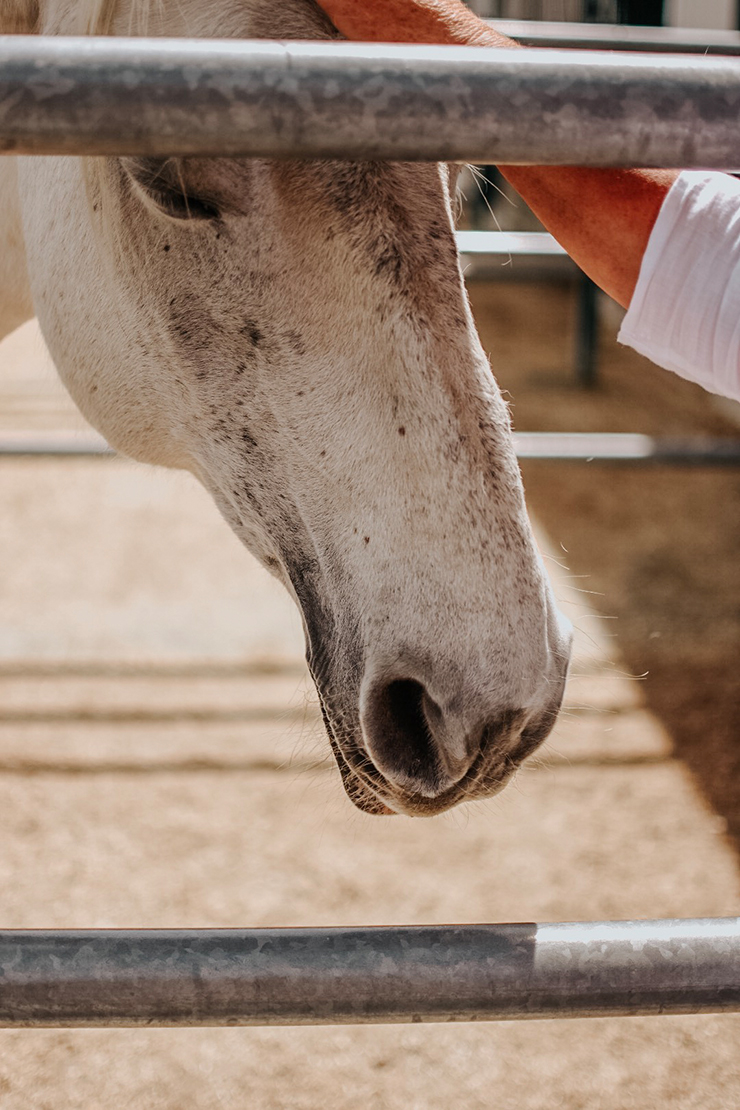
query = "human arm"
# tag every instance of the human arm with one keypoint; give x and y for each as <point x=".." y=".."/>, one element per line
<point x="603" y="218"/>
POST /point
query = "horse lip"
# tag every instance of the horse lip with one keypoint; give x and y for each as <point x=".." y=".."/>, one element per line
<point x="371" y="793"/>
<point x="363" y="795"/>
<point x="378" y="799"/>
<point x="417" y="805"/>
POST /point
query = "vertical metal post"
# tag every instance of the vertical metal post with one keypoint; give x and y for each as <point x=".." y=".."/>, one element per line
<point x="644" y="13"/>
<point x="600" y="11"/>
<point x="587" y="333"/>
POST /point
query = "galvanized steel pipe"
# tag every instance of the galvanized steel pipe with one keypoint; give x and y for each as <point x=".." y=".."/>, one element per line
<point x="605" y="447"/>
<point x="98" y="96"/>
<point x="379" y="975"/>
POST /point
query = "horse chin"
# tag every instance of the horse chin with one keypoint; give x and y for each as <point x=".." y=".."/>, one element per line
<point x="359" y="792"/>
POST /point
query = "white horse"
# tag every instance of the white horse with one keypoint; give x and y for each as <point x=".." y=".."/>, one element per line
<point x="298" y="336"/>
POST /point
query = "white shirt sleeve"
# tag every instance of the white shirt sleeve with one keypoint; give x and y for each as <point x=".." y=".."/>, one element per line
<point x="685" y="312"/>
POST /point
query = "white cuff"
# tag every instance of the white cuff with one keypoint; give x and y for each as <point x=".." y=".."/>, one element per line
<point x="685" y="312"/>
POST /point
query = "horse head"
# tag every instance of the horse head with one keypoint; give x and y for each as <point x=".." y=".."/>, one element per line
<point x="298" y="336"/>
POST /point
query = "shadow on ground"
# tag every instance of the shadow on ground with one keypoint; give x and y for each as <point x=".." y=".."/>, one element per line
<point x="658" y="546"/>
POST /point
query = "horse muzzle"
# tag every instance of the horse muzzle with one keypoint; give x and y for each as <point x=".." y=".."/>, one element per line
<point x="411" y="755"/>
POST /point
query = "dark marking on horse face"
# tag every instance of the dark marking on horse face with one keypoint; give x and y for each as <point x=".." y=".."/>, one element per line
<point x="246" y="497"/>
<point x="305" y="575"/>
<point x="402" y="431"/>
<point x="367" y="539"/>
<point x="192" y="323"/>
<point x="249" y="439"/>
<point x="408" y="244"/>
<point x="252" y="332"/>
<point x="389" y="261"/>
<point x="295" y="341"/>
<point x="166" y="247"/>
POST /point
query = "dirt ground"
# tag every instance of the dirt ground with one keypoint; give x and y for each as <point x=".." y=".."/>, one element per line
<point x="658" y="546"/>
<point x="162" y="761"/>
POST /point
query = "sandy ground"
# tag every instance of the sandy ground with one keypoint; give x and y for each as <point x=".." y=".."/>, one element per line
<point x="162" y="762"/>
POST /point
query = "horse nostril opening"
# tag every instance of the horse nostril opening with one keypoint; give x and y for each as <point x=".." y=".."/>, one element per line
<point x="405" y="706"/>
<point x="399" y="723"/>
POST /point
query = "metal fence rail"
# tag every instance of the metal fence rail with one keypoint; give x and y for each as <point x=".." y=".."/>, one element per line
<point x="346" y="101"/>
<point x="61" y="445"/>
<point x="627" y="447"/>
<point x="95" y="96"/>
<point x="605" y="447"/>
<point x="341" y="976"/>
<point x="619" y="36"/>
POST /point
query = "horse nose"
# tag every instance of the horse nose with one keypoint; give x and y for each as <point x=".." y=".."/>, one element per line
<point x="411" y="741"/>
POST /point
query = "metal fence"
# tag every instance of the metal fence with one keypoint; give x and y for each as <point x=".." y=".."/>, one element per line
<point x="567" y="10"/>
<point x="352" y="101"/>
<point x="592" y="447"/>
<point x="350" y="976"/>
<point x="345" y="101"/>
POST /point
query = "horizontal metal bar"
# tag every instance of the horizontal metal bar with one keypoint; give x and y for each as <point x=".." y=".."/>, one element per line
<point x="538" y="244"/>
<point x="377" y="975"/>
<point x="513" y="256"/>
<point x="53" y="445"/>
<point x="627" y="447"/>
<point x="98" y="96"/>
<point x="612" y="447"/>
<point x="618" y="36"/>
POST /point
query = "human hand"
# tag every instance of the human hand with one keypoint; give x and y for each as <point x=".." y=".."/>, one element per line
<point x="422" y="21"/>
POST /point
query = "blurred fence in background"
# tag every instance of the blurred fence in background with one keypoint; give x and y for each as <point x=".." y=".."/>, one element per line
<point x="717" y="15"/>
<point x="574" y="11"/>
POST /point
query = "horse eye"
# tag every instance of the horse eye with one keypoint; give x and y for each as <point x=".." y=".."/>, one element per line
<point x="163" y="184"/>
<point x="183" y="206"/>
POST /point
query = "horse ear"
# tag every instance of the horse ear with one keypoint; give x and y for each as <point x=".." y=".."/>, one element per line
<point x="19" y="17"/>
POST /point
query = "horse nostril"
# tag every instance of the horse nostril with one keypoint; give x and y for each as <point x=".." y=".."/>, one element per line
<point x="407" y="740"/>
